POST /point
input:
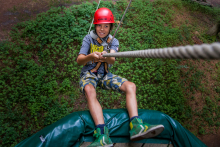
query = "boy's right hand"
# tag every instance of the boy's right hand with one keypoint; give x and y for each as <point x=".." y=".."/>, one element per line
<point x="96" y="55"/>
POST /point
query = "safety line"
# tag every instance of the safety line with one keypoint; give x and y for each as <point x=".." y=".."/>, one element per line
<point x="93" y="16"/>
<point x="119" y="24"/>
<point x="204" y="51"/>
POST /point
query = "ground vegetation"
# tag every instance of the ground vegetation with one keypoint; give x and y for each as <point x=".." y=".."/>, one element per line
<point x="39" y="74"/>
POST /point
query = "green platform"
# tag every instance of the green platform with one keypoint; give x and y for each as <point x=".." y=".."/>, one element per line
<point x="78" y="127"/>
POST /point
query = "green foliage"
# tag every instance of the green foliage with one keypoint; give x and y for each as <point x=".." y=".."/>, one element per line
<point x="202" y="130"/>
<point x="38" y="71"/>
<point x="147" y="24"/>
<point x="207" y="110"/>
<point x="157" y="86"/>
<point x="193" y="6"/>
<point x="39" y="76"/>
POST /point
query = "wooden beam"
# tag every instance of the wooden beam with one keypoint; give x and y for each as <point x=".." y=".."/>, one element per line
<point x="85" y="144"/>
<point x="128" y="145"/>
<point x="157" y="145"/>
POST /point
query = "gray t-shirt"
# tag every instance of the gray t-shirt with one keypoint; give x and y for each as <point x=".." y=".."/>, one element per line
<point x="91" y="45"/>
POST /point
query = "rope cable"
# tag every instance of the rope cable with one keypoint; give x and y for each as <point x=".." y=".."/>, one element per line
<point x="119" y="24"/>
<point x="93" y="17"/>
<point x="204" y="51"/>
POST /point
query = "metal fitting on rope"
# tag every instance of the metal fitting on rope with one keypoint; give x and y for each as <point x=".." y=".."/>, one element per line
<point x="204" y="51"/>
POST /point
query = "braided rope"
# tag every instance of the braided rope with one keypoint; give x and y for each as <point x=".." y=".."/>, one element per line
<point x="119" y="24"/>
<point x="204" y="51"/>
<point x="93" y="17"/>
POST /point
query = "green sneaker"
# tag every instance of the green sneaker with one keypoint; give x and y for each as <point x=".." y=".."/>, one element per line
<point x="140" y="130"/>
<point x="102" y="140"/>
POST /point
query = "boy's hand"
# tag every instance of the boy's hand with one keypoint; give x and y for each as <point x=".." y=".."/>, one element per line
<point x="96" y="55"/>
<point x="104" y="52"/>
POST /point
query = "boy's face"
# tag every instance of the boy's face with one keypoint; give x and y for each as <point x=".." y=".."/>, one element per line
<point x="102" y="29"/>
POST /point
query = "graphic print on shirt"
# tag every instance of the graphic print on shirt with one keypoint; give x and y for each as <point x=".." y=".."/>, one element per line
<point x="96" y="48"/>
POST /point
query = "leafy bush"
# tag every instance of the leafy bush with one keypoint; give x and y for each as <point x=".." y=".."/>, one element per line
<point x="39" y="76"/>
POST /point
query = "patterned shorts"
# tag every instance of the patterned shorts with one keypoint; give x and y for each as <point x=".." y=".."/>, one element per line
<point x="109" y="81"/>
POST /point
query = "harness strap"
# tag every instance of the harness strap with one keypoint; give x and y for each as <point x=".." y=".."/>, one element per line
<point x="109" y="39"/>
<point x="99" y="64"/>
<point x="103" y="60"/>
<point x="99" y="40"/>
<point x="106" y="67"/>
<point x="97" y="67"/>
<point x="94" y="61"/>
<point x="103" y="43"/>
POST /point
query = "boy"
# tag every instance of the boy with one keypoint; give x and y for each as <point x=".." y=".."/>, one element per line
<point x="95" y="72"/>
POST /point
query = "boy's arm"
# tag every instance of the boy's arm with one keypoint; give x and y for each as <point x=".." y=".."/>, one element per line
<point x="83" y="59"/>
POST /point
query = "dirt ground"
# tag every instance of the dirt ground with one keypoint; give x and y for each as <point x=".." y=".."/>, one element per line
<point x="15" y="11"/>
<point x="215" y="3"/>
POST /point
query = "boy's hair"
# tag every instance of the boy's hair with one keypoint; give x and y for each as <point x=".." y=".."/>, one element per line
<point x="111" y="27"/>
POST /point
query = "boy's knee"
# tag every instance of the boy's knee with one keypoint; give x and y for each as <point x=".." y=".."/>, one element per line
<point x="89" y="89"/>
<point x="133" y="86"/>
<point x="130" y="86"/>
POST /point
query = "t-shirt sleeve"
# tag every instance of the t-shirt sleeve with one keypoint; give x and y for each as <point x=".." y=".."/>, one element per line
<point x="115" y="45"/>
<point x="85" y="46"/>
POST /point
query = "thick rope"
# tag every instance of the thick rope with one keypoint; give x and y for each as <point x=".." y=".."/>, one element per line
<point x="119" y="25"/>
<point x="204" y="51"/>
<point x="93" y="16"/>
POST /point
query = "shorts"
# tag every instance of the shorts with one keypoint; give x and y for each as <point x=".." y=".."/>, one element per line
<point x="108" y="81"/>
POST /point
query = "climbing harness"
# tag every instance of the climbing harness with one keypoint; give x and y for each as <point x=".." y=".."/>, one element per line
<point x="104" y="44"/>
<point x="204" y="51"/>
<point x="100" y="41"/>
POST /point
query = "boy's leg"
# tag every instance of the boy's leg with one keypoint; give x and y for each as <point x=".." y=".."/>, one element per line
<point x="101" y="134"/>
<point x="87" y="84"/>
<point x="131" y="103"/>
<point x="93" y="104"/>
<point x="139" y="130"/>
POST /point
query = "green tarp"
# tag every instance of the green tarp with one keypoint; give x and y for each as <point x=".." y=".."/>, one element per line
<point x="78" y="127"/>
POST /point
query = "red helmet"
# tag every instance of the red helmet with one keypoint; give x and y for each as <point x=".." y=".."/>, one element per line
<point x="103" y="15"/>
